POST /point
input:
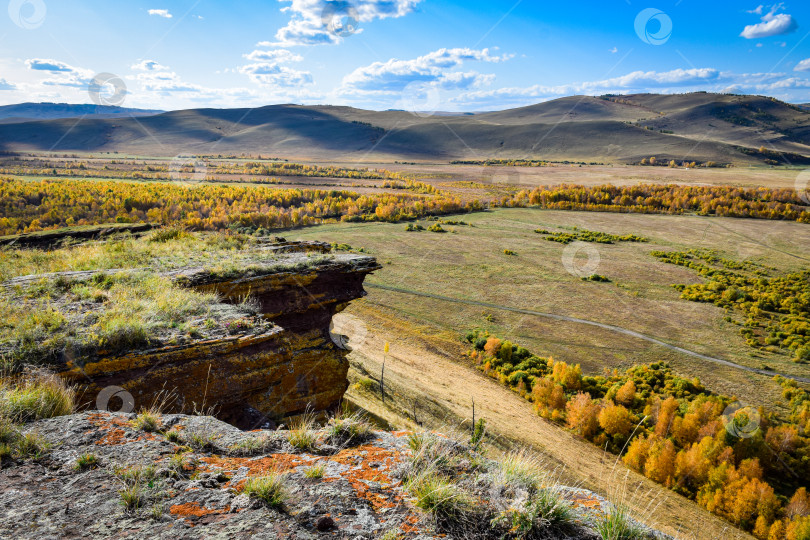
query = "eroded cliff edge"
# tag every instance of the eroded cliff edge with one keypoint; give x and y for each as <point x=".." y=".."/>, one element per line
<point x="274" y="362"/>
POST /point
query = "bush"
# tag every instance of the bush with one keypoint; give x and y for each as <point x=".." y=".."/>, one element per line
<point x="269" y="489"/>
<point x="35" y="395"/>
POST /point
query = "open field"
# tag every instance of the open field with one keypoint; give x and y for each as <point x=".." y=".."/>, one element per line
<point x="469" y="264"/>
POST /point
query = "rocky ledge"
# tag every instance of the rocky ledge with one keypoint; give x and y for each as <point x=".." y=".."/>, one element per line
<point x="263" y="354"/>
<point x="104" y="478"/>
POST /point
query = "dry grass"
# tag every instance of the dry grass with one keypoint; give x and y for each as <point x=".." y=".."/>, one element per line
<point x="640" y="298"/>
<point x="35" y="395"/>
<point x="303" y="434"/>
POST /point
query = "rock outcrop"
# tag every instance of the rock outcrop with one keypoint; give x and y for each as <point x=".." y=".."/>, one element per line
<point x="197" y="491"/>
<point x="250" y="378"/>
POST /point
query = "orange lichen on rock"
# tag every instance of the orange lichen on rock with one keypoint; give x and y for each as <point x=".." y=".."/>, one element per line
<point x="114" y="434"/>
<point x="275" y="463"/>
<point x="361" y="473"/>
<point x="193" y="512"/>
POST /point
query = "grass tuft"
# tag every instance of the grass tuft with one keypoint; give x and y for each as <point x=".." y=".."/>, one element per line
<point x="347" y="429"/>
<point x="316" y="471"/>
<point x="31" y="445"/>
<point x="302" y="434"/>
<point x="269" y="489"/>
<point x="86" y="461"/>
<point x="618" y="525"/>
<point x="147" y="421"/>
<point x="35" y="395"/>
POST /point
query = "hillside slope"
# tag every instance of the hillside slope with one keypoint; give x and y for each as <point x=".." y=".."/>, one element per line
<point x="613" y="129"/>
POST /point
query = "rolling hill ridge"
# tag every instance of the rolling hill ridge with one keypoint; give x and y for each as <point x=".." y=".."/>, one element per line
<point x="701" y="127"/>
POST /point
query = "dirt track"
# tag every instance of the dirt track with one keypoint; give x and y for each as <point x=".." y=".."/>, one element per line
<point x="417" y="372"/>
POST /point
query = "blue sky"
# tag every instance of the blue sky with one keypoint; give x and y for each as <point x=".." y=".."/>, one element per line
<point x="380" y="54"/>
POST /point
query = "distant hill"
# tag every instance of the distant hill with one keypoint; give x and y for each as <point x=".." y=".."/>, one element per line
<point x="617" y="129"/>
<point x="27" y="112"/>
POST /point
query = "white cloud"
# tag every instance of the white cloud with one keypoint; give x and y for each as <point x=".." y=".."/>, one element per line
<point x="757" y="11"/>
<point x="267" y="68"/>
<point x="275" y="56"/>
<point x="275" y="75"/>
<point x="640" y="81"/>
<point x="772" y="24"/>
<point x="149" y="65"/>
<point x="5" y="85"/>
<point x="311" y="19"/>
<point x="614" y="50"/>
<point x="804" y="65"/>
<point x="432" y="68"/>
<point x="39" y="64"/>
<point x="161" y="13"/>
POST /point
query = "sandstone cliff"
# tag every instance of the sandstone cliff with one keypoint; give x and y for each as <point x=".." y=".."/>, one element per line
<point x="253" y="369"/>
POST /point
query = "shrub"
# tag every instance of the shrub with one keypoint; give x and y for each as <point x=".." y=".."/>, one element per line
<point x="269" y="489"/>
<point x="369" y="385"/>
<point x="173" y="436"/>
<point x="165" y="235"/>
<point x="35" y="395"/>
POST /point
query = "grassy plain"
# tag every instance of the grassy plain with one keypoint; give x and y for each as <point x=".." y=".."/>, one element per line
<point x="469" y="263"/>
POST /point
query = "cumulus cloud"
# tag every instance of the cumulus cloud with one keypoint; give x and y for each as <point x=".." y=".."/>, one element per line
<point x="276" y="56"/>
<point x="161" y="13"/>
<point x="432" y="68"/>
<point x="149" y="65"/>
<point x="61" y="74"/>
<point x="311" y="19"/>
<point x="154" y="77"/>
<point x="39" y="64"/>
<point x="635" y="81"/>
<point x="773" y="24"/>
<point x="267" y="68"/>
<point x="804" y="65"/>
